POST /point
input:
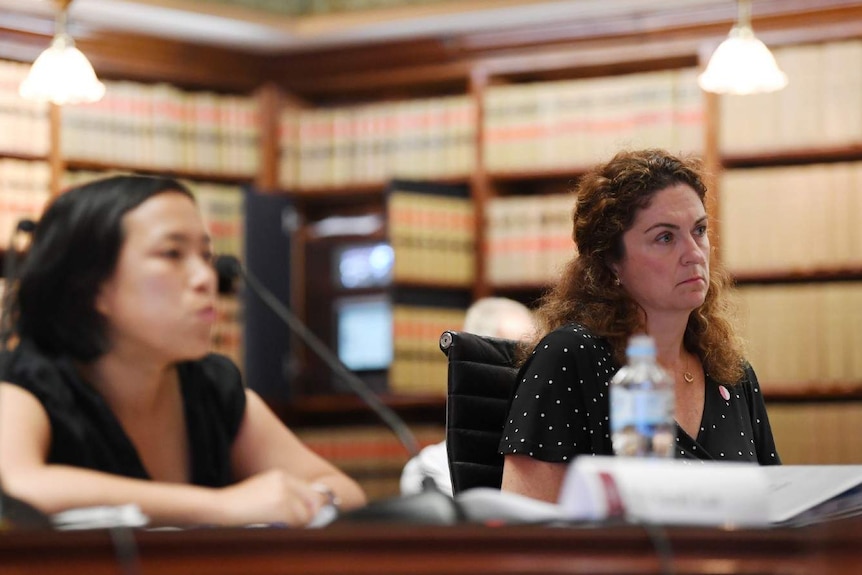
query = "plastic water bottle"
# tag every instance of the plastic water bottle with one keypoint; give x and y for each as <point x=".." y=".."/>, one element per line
<point x="642" y="404"/>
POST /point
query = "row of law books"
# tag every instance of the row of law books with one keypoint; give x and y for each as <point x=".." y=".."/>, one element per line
<point x="227" y="331"/>
<point x="569" y="124"/>
<point x="222" y="208"/>
<point x="818" y="108"/>
<point x="370" y="454"/>
<point x="433" y="238"/>
<point x="798" y="218"/>
<point x="372" y="143"/>
<point x="161" y="126"/>
<point x="528" y="239"/>
<point x="25" y="187"/>
<point x="418" y="366"/>
<point x="26" y="124"/>
<point x="804" y="337"/>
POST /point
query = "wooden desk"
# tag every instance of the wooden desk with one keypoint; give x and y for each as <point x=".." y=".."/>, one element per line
<point x="381" y="549"/>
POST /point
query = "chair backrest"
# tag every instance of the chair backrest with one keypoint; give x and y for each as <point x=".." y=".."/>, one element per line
<point x="481" y="379"/>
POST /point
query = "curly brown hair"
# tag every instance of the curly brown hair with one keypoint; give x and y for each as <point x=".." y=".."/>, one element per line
<point x="608" y="198"/>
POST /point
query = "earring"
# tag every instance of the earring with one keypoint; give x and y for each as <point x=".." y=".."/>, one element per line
<point x="617" y="281"/>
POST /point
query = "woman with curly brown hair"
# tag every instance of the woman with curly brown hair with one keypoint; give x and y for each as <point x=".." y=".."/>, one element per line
<point x="643" y="266"/>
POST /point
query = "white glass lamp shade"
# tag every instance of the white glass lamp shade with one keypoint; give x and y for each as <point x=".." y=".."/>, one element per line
<point x="62" y="75"/>
<point x="742" y="64"/>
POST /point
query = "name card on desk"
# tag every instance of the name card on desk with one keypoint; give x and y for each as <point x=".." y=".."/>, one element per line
<point x="666" y="492"/>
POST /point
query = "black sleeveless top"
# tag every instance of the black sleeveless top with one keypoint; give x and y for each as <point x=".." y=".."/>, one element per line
<point x="85" y="432"/>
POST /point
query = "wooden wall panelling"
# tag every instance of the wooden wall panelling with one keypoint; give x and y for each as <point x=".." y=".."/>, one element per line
<point x="653" y="37"/>
<point x="55" y="157"/>
<point x="480" y="184"/>
<point x="269" y="105"/>
<point x="150" y="59"/>
<point x="465" y="63"/>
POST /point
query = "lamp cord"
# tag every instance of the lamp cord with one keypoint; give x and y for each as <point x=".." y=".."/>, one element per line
<point x="743" y="13"/>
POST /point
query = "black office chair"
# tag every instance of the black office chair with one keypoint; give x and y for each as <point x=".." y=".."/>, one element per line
<point x="481" y="379"/>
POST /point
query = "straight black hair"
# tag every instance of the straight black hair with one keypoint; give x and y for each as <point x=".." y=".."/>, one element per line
<point x="75" y="248"/>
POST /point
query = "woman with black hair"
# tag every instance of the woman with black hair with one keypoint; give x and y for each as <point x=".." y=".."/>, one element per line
<point x="110" y="395"/>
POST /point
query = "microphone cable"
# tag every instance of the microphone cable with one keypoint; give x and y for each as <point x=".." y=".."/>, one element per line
<point x="126" y="549"/>
<point x="430" y="506"/>
<point x="661" y="545"/>
<point x="229" y="267"/>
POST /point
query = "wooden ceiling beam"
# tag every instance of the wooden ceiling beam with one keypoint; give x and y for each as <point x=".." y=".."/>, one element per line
<point x="149" y="59"/>
<point x="189" y="65"/>
<point x="444" y="63"/>
<point x="590" y="47"/>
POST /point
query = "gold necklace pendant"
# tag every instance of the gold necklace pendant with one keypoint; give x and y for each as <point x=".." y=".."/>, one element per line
<point x="687" y="375"/>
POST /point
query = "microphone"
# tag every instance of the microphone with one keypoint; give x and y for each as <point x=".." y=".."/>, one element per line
<point x="431" y="506"/>
<point x="229" y="267"/>
<point x="18" y="514"/>
<point x="26" y="225"/>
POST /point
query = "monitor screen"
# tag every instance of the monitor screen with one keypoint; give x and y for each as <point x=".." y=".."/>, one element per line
<point x="364" y="326"/>
<point x="363" y="265"/>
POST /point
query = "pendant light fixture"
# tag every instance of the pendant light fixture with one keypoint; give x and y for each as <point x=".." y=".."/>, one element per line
<point x="742" y="64"/>
<point x="62" y="74"/>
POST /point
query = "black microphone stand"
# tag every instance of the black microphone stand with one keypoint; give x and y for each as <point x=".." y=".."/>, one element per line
<point x="431" y="506"/>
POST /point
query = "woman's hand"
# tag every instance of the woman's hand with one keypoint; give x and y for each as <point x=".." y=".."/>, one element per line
<point x="273" y="496"/>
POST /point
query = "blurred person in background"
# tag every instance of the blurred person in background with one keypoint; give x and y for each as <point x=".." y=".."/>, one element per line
<point x="493" y="317"/>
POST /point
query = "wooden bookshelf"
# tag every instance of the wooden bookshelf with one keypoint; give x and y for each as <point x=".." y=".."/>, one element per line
<point x="182" y="174"/>
<point x="471" y="66"/>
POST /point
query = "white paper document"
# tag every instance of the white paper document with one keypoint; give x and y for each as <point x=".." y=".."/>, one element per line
<point x="100" y="517"/>
<point x="681" y="492"/>
<point x="489" y="505"/>
<point x="801" y="494"/>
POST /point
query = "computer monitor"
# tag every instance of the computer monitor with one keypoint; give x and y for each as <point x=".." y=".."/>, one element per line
<point x="363" y="265"/>
<point x="362" y="273"/>
<point x="364" y="331"/>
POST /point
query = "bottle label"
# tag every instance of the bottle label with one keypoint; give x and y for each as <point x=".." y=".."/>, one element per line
<point x="642" y="421"/>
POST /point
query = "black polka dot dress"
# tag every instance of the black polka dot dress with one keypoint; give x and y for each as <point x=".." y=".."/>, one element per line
<point x="560" y="408"/>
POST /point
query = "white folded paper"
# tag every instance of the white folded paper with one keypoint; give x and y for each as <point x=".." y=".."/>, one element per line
<point x="488" y="505"/>
<point x="100" y="517"/>
<point x="666" y="491"/>
<point x="802" y="494"/>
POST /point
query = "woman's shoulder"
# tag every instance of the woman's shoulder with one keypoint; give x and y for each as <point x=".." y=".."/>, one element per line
<point x="214" y="380"/>
<point x="747" y="379"/>
<point x="26" y="365"/>
<point x="217" y="364"/>
<point x="25" y="356"/>
<point x="49" y="378"/>
<point x="213" y="370"/>
<point x="572" y="343"/>
<point x="574" y="333"/>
